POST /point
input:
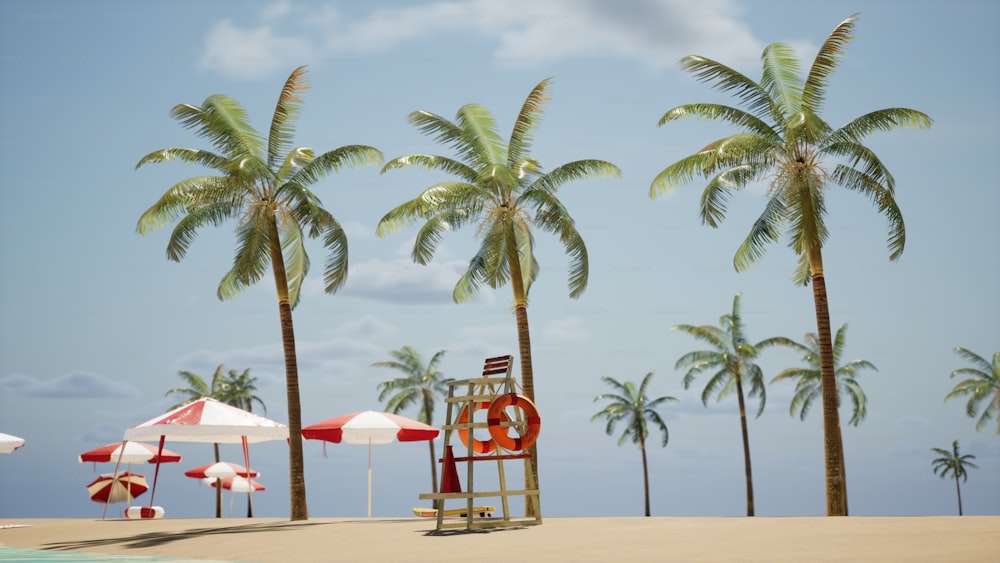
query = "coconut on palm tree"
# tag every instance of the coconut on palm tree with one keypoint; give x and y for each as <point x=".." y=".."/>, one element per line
<point x="808" y="378"/>
<point x="784" y="142"/>
<point x="729" y="364"/>
<point x="630" y="405"/>
<point x="982" y="387"/>
<point x="955" y="464"/>
<point x="421" y="385"/>
<point x="498" y="186"/>
<point x="261" y="183"/>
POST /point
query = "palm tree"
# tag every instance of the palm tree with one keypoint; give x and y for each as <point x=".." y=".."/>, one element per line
<point x="807" y="378"/>
<point x="198" y="389"/>
<point x="983" y="387"/>
<point x="631" y="405"/>
<point x="263" y="185"/>
<point x="507" y="192"/>
<point x="421" y="385"/>
<point x="955" y="464"/>
<point x="730" y="362"/>
<point x="785" y="142"/>
<point x="238" y="390"/>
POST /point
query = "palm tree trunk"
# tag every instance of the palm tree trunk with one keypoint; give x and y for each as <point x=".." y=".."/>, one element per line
<point x="524" y="350"/>
<point x="833" y="447"/>
<point x="958" y="490"/>
<point x="746" y="444"/>
<point x="296" y="467"/>
<point x="645" y="474"/>
<point x="218" y="485"/>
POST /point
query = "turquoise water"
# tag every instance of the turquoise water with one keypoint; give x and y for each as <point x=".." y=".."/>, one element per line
<point x="17" y="555"/>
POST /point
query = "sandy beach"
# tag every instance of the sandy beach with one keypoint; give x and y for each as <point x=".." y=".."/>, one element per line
<point x="265" y="540"/>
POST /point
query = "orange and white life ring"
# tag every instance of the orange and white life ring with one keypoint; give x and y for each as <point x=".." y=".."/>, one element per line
<point x="465" y="434"/>
<point x="499" y="432"/>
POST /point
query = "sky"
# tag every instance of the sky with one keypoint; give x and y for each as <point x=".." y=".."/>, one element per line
<point x="97" y="323"/>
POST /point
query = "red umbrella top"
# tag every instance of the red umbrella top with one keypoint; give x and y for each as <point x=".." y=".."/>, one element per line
<point x="130" y="452"/>
<point x="220" y="470"/>
<point x="238" y="484"/>
<point x="369" y="427"/>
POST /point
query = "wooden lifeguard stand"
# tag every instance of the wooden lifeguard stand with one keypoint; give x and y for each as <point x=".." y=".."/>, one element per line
<point x="466" y="397"/>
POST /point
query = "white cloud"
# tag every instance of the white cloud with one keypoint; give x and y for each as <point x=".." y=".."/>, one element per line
<point x="655" y="33"/>
<point x="402" y="281"/>
<point x="253" y="53"/>
<point x="73" y="385"/>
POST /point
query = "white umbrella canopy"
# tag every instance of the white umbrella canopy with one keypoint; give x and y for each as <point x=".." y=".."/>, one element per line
<point x="9" y="443"/>
<point x="209" y="420"/>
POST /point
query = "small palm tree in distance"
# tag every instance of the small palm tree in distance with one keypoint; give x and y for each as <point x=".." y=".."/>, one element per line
<point x="421" y="384"/>
<point x="954" y="464"/>
<point x="630" y="404"/>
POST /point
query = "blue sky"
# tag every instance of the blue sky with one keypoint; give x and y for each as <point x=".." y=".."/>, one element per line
<point x="97" y="322"/>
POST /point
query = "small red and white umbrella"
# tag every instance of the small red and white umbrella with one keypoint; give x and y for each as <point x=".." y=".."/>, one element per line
<point x="110" y="488"/>
<point x="220" y="470"/>
<point x="238" y="484"/>
<point x="129" y="452"/>
<point x="369" y="427"/>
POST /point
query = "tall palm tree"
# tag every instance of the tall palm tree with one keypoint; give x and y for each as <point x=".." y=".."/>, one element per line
<point x="982" y="388"/>
<point x="730" y="362"/>
<point x="629" y="404"/>
<point x="262" y="184"/>
<point x="420" y="385"/>
<point x="786" y="143"/>
<point x="198" y="389"/>
<point x="505" y="191"/>
<point x="954" y="463"/>
<point x="807" y="378"/>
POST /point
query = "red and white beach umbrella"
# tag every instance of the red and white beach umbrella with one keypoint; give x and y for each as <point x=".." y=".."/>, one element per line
<point x="110" y="487"/>
<point x="129" y="452"/>
<point x="369" y="427"/>
<point x="208" y="420"/>
<point x="220" y="470"/>
<point x="9" y="443"/>
<point x="238" y="484"/>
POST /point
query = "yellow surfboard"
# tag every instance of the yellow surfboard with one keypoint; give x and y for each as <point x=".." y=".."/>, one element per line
<point x="483" y="511"/>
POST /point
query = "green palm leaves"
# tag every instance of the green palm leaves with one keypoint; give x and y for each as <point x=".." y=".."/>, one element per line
<point x="630" y="405"/>
<point x="261" y="183"/>
<point x="807" y="378"/>
<point x="499" y="188"/>
<point x="954" y="464"/>
<point x="982" y="387"/>
<point x="784" y="142"/>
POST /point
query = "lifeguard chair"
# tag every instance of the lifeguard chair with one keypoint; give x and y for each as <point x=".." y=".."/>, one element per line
<point x="494" y="392"/>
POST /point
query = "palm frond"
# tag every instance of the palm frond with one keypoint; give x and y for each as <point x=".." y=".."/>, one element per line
<point x="224" y="123"/>
<point x="826" y="61"/>
<point x="207" y="159"/>
<point x="728" y="114"/>
<point x="286" y="112"/>
<point x="725" y="79"/>
<point x="253" y="253"/>
<point x="433" y="162"/>
<point x="781" y="80"/>
<point x="350" y="156"/>
<point x="765" y="230"/>
<point x="480" y="142"/>
<point x="527" y="120"/>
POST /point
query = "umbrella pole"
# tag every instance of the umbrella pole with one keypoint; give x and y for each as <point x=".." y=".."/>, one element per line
<point x="118" y="464"/>
<point x="369" y="477"/>
<point x="246" y="462"/>
<point x="156" y="473"/>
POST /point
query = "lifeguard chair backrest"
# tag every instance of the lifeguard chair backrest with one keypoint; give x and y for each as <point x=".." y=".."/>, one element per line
<point x="499" y="365"/>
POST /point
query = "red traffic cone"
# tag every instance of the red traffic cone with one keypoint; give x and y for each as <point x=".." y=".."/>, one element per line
<point x="449" y="474"/>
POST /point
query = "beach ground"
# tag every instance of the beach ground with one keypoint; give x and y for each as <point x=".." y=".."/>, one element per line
<point x="265" y="540"/>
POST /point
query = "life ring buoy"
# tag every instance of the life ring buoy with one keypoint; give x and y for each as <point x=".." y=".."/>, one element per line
<point x="465" y="434"/>
<point x="499" y="432"/>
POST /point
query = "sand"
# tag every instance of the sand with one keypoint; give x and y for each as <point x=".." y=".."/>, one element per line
<point x="264" y="540"/>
